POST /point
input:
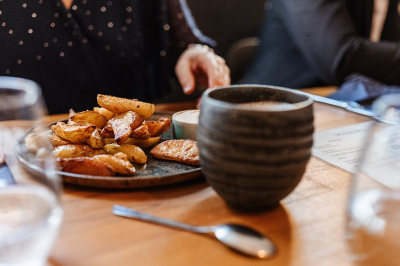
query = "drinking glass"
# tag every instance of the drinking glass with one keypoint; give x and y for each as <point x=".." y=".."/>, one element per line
<point x="30" y="212"/>
<point x="373" y="224"/>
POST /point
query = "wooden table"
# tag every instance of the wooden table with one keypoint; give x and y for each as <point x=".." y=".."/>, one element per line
<point x="308" y="226"/>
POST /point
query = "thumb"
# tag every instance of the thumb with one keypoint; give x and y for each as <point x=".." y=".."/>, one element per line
<point x="185" y="77"/>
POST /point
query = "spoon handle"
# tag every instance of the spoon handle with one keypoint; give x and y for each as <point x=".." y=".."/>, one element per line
<point x="130" y="213"/>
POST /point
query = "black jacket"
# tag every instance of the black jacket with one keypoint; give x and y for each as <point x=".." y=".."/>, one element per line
<point x="309" y="43"/>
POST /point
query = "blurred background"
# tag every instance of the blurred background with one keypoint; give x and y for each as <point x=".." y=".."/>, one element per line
<point x="234" y="25"/>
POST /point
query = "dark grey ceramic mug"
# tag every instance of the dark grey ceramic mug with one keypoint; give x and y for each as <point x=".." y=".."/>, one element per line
<point x="254" y="156"/>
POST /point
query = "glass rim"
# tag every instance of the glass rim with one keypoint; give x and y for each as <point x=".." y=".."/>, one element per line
<point x="31" y="88"/>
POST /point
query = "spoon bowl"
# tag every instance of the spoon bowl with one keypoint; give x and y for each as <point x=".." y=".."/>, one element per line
<point x="237" y="237"/>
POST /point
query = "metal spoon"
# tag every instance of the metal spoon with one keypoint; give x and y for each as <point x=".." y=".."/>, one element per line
<point x="240" y="238"/>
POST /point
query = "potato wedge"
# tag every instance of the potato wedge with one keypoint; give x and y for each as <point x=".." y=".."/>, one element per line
<point x="156" y="128"/>
<point x="180" y="150"/>
<point x="104" y="112"/>
<point x="57" y="141"/>
<point x="86" y="166"/>
<point x="134" y="153"/>
<point x="72" y="151"/>
<point x="91" y="117"/>
<point x="142" y="132"/>
<point x="123" y="124"/>
<point x="107" y="131"/>
<point x="74" y="133"/>
<point x="119" y="165"/>
<point x="141" y="143"/>
<point x="31" y="143"/>
<point x="95" y="141"/>
<point x="95" y="152"/>
<point x="120" y="105"/>
<point x="71" y="112"/>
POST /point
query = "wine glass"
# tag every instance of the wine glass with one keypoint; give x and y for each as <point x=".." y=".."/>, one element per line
<point x="30" y="212"/>
<point x="373" y="212"/>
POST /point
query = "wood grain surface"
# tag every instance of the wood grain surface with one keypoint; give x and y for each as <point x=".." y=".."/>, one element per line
<point x="307" y="227"/>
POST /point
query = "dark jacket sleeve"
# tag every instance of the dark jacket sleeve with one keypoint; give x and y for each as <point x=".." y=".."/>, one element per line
<point x="183" y="28"/>
<point x="325" y="33"/>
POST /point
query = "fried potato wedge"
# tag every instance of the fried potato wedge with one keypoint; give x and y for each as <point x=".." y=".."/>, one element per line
<point x="180" y="150"/>
<point x="71" y="112"/>
<point x="123" y="124"/>
<point x="104" y="112"/>
<point x="86" y="166"/>
<point x="119" y="165"/>
<point x="95" y="141"/>
<point x="134" y="153"/>
<point x="141" y="143"/>
<point x="74" y="133"/>
<point x="156" y="128"/>
<point x="96" y="152"/>
<point x="91" y="117"/>
<point x="57" y="141"/>
<point x="142" y="132"/>
<point x="31" y="143"/>
<point x="72" y="151"/>
<point x="120" y="105"/>
<point x="107" y="131"/>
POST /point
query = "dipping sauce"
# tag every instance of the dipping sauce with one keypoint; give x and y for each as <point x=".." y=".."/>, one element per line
<point x="185" y="124"/>
<point x="267" y="105"/>
<point x="189" y="116"/>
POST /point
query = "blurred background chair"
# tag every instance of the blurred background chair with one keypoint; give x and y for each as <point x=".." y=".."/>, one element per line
<point x="235" y="25"/>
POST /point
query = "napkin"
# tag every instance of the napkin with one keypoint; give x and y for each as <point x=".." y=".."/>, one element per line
<point x="359" y="88"/>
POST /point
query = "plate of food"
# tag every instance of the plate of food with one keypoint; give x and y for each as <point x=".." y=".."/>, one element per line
<point x="123" y="143"/>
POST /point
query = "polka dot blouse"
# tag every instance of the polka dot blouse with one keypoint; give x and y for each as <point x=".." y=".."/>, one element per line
<point x="125" y="48"/>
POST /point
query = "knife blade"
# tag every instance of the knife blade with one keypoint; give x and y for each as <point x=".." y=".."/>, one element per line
<point x="349" y="106"/>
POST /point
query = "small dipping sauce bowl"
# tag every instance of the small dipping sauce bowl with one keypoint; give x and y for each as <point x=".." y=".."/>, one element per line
<point x="184" y="124"/>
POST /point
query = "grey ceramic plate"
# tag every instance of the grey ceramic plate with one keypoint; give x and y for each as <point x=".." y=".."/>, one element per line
<point x="154" y="173"/>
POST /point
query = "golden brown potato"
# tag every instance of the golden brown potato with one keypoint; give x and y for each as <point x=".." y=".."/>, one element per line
<point x="72" y="151"/>
<point x="141" y="143"/>
<point x="180" y="150"/>
<point x="156" y="128"/>
<point x="95" y="141"/>
<point x="119" y="165"/>
<point x="107" y="114"/>
<point x="74" y="133"/>
<point x="142" y="132"/>
<point x="120" y="105"/>
<point x="86" y="166"/>
<point x="95" y="152"/>
<point x="91" y="117"/>
<point x="134" y="153"/>
<point x="31" y="143"/>
<point x="107" y="131"/>
<point x="123" y="124"/>
<point x="57" y="141"/>
<point x="71" y="112"/>
<point x="121" y="156"/>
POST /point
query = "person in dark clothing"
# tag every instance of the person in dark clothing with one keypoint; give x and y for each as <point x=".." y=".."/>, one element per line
<point x="308" y="43"/>
<point x="76" y="49"/>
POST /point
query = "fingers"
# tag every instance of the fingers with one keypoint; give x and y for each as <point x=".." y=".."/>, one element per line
<point x="185" y="75"/>
<point x="198" y="60"/>
<point x="219" y="75"/>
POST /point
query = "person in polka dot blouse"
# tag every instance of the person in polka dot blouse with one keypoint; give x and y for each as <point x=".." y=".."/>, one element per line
<point x="76" y="49"/>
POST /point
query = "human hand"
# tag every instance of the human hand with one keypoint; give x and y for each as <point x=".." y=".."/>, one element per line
<point x="200" y="64"/>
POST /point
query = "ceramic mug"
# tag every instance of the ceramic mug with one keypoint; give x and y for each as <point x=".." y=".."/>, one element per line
<point x="254" y="142"/>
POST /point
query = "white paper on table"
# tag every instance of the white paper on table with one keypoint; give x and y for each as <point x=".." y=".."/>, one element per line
<point x="342" y="146"/>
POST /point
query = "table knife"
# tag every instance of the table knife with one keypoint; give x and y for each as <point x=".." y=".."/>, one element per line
<point x="349" y="106"/>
